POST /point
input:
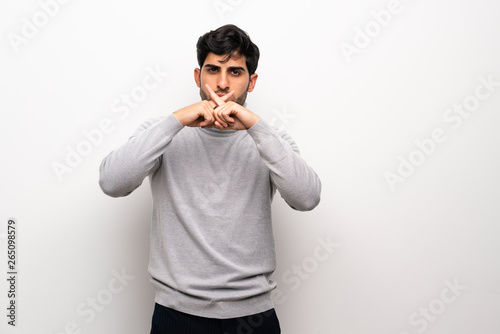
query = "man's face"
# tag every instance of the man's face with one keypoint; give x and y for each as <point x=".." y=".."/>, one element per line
<point x="224" y="77"/>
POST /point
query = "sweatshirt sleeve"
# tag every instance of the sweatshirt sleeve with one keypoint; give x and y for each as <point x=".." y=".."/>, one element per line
<point x="297" y="183"/>
<point x="124" y="169"/>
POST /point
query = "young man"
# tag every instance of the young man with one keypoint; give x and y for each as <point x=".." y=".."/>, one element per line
<point x="214" y="167"/>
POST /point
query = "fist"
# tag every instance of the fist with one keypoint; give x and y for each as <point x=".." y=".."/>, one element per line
<point x="231" y="115"/>
<point x="200" y="114"/>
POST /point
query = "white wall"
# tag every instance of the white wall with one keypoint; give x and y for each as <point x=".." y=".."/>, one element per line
<point x="418" y="256"/>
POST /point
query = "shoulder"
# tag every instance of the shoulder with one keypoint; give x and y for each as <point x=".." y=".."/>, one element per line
<point x="150" y="122"/>
<point x="169" y="125"/>
<point x="262" y="131"/>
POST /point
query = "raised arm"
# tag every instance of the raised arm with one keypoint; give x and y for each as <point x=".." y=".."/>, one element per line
<point x="124" y="169"/>
<point x="297" y="182"/>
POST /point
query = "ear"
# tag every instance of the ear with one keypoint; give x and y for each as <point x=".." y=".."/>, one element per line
<point x="197" y="78"/>
<point x="253" y="81"/>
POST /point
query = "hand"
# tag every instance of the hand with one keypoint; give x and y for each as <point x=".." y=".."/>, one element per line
<point x="200" y="114"/>
<point x="231" y="115"/>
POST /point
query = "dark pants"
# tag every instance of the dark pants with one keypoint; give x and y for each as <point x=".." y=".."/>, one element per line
<point x="169" y="321"/>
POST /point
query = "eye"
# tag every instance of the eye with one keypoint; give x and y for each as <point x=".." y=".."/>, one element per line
<point x="236" y="72"/>
<point x="212" y="69"/>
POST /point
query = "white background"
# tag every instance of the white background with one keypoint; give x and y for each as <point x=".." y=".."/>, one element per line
<point x="354" y="117"/>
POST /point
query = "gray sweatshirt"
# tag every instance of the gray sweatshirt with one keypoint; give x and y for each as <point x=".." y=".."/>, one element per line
<point x="212" y="245"/>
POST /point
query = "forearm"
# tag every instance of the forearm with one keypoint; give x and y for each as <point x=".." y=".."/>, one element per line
<point x="124" y="169"/>
<point x="297" y="182"/>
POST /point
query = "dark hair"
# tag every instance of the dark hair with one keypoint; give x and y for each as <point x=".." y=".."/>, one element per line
<point x="227" y="40"/>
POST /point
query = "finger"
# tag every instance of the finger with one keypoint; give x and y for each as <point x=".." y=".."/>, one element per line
<point x="219" y="125"/>
<point x="213" y="105"/>
<point x="224" y="112"/>
<point x="219" y="119"/>
<point x="206" y="124"/>
<point x="207" y="114"/>
<point x="223" y="98"/>
<point x="227" y="96"/>
<point x="214" y="96"/>
<point x="213" y="113"/>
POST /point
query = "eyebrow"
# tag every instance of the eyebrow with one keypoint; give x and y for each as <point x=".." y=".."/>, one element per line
<point x="230" y="68"/>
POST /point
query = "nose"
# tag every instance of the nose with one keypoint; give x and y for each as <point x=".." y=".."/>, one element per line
<point x="222" y="82"/>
